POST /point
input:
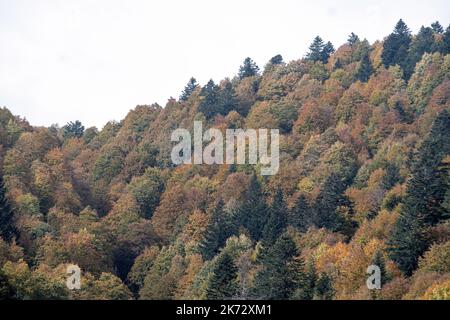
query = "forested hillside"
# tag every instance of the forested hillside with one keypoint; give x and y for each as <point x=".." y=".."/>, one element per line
<point x="363" y="179"/>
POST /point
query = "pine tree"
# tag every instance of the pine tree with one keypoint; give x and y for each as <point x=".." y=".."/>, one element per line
<point x="277" y="222"/>
<point x="365" y="69"/>
<point x="423" y="42"/>
<point x="227" y="99"/>
<point x="73" y="130"/>
<point x="282" y="272"/>
<point x="278" y="59"/>
<point x="248" y="69"/>
<point x="329" y="199"/>
<point x="352" y="39"/>
<point x="253" y="213"/>
<point x="8" y="230"/>
<point x="396" y="46"/>
<point x="425" y="195"/>
<point x="328" y="50"/>
<point x="315" y="50"/>
<point x="189" y="89"/>
<point x="217" y="233"/>
<point x="301" y="216"/>
<point x="222" y="284"/>
<point x="209" y="104"/>
<point x="324" y="288"/>
<point x="437" y="27"/>
<point x="6" y="290"/>
<point x="307" y="288"/>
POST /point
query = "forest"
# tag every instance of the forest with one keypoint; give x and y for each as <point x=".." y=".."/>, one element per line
<point x="364" y="179"/>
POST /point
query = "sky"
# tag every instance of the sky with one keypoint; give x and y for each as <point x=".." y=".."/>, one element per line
<point x="94" y="60"/>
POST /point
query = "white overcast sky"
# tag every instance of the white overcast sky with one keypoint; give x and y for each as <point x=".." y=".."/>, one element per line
<point x="94" y="60"/>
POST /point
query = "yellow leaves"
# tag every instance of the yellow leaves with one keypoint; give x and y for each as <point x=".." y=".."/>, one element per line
<point x="306" y="185"/>
<point x="438" y="292"/>
<point x="437" y="258"/>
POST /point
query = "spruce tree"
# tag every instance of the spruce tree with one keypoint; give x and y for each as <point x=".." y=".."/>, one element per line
<point x="396" y="46"/>
<point x="227" y="100"/>
<point x="301" y="215"/>
<point x="352" y="39"/>
<point x="8" y="230"/>
<point x="365" y="69"/>
<point x="437" y="27"/>
<point x="422" y="43"/>
<point x="278" y="59"/>
<point x="277" y="222"/>
<point x="327" y="51"/>
<point x="222" y="284"/>
<point x="189" y="89"/>
<point x="315" y="50"/>
<point x="324" y="287"/>
<point x="378" y="260"/>
<point x="253" y="212"/>
<point x="282" y="271"/>
<point x="248" y="69"/>
<point x="218" y="231"/>
<point x="209" y="104"/>
<point x="425" y="196"/>
<point x="329" y="199"/>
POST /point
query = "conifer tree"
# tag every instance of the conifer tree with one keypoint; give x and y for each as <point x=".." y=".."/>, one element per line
<point x="328" y="50"/>
<point x="253" y="213"/>
<point x="437" y="27"/>
<point x="423" y="42"/>
<point x="222" y="284"/>
<point x="315" y="50"/>
<point x="282" y="272"/>
<point x="425" y="196"/>
<point x="301" y="216"/>
<point x="217" y="233"/>
<point x="277" y="222"/>
<point x="248" y="69"/>
<point x="189" y="89"/>
<point x="352" y="39"/>
<point x="8" y="230"/>
<point x="324" y="288"/>
<point x="209" y="104"/>
<point x="365" y="69"/>
<point x="278" y="59"/>
<point x="396" y="46"/>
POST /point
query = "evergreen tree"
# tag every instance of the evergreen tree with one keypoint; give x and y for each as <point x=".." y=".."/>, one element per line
<point x="210" y="100"/>
<point x="329" y="199"/>
<point x="189" y="89"/>
<point x="315" y="50"/>
<point x="248" y="69"/>
<point x="423" y="42"/>
<point x="282" y="272"/>
<point x="222" y="283"/>
<point x="437" y="27"/>
<point x="217" y="233"/>
<point x="253" y="213"/>
<point x="73" y="130"/>
<point x="396" y="46"/>
<point x="227" y="99"/>
<point x="328" y="50"/>
<point x="307" y="289"/>
<point x="365" y="69"/>
<point x="277" y="222"/>
<point x="425" y="196"/>
<point x="278" y="59"/>
<point x="8" y="230"/>
<point x="444" y="47"/>
<point x="324" y="288"/>
<point x="352" y="39"/>
<point x="301" y="216"/>
<point x="6" y="290"/>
